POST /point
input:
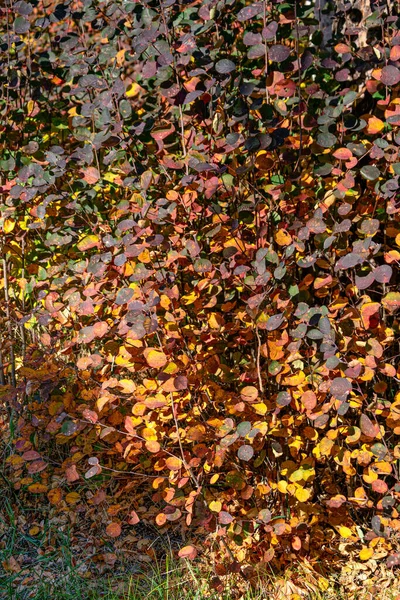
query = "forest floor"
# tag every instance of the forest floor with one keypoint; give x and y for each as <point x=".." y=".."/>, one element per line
<point x="41" y="560"/>
<point x="49" y="553"/>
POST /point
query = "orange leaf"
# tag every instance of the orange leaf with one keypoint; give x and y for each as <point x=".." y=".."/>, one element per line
<point x="343" y="154"/>
<point x="249" y="393"/>
<point x="189" y="552"/>
<point x="375" y="125"/>
<point x="161" y="519"/>
<point x="113" y="530"/>
<point x="91" y="175"/>
<point x="370" y="314"/>
<point x="296" y="543"/>
<point x="395" y="53"/>
<point x="173" y="463"/>
<point x="379" y="486"/>
<point x="55" y="496"/>
<point x="309" y="400"/>
<point x="38" y="488"/>
<point x="72" y="498"/>
<point x="153" y="446"/>
<point x="134" y="518"/>
<point x="155" y="358"/>
<point x="283" y="238"/>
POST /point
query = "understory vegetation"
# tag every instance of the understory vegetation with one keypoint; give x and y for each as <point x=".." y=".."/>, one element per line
<point x="199" y="341"/>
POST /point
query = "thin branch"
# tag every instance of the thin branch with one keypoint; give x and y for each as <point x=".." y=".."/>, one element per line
<point x="9" y="327"/>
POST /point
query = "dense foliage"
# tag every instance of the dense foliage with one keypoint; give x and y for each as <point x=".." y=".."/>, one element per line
<point x="200" y="226"/>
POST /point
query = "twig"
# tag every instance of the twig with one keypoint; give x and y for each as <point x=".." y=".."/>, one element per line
<point x="8" y="315"/>
<point x="187" y="467"/>
<point x="258" y="361"/>
<point x="265" y="51"/>
<point x="2" y="380"/>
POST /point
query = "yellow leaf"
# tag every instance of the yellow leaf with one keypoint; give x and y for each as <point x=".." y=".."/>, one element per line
<point x="323" y="584"/>
<point x="149" y="434"/>
<point x="297" y="475"/>
<point x="72" y="498"/>
<point x="144" y="256"/>
<point x="302" y="494"/>
<point x="133" y="90"/>
<point x="260" y="408"/>
<point x="8" y="225"/>
<point x="369" y="476"/>
<point x="89" y="241"/>
<point x="171" y="368"/>
<point x="215" y="321"/>
<point x="215" y="506"/>
<point x="291" y="489"/>
<point x="325" y="446"/>
<point x="190" y="298"/>
<point x="345" y="532"/>
<point x="295" y="380"/>
<point x="111" y="177"/>
<point x="366" y="553"/>
<point x="282" y="486"/>
<point x="34" y="530"/>
<point x="235" y="243"/>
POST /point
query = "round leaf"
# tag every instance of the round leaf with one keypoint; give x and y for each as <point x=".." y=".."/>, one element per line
<point x="124" y="295"/>
<point x="278" y="53"/>
<point x="246" y="452"/>
<point x="367" y="427"/>
<point x="370" y="172"/>
<point x="113" y="530"/>
<point x="155" y="358"/>
<point x="249" y="393"/>
<point x="188" y="552"/>
<point x="248" y="12"/>
<point x="390" y="75"/>
<point x="340" y="388"/>
<point x="283" y="399"/>
<point x="274" y="322"/>
<point x="225" y="66"/>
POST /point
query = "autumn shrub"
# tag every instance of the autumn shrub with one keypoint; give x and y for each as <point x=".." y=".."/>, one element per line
<point x="200" y="242"/>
